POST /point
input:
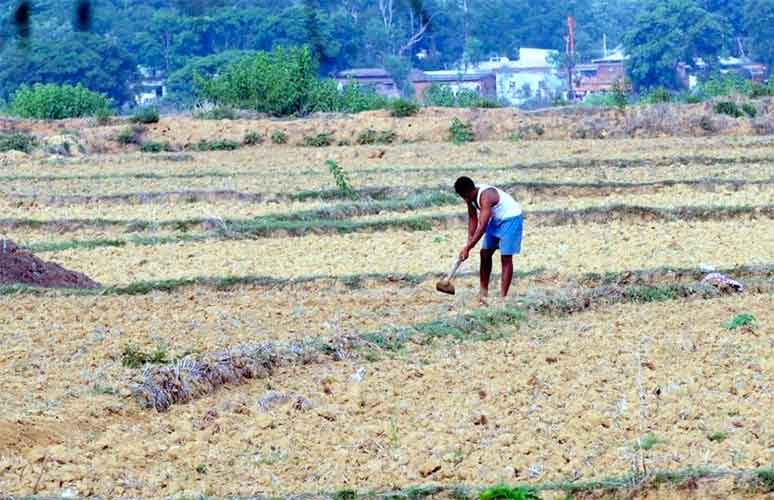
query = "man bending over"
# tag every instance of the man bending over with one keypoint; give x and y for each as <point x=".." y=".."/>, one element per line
<point x="494" y="215"/>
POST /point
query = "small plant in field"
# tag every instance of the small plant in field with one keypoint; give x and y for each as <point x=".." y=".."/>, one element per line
<point x="342" y="180"/>
<point x="135" y="358"/>
<point x="130" y="135"/>
<point x="155" y="147"/>
<point x="279" y="137"/>
<point x="216" y="145"/>
<point x="402" y="108"/>
<point x="371" y="136"/>
<point x="618" y="96"/>
<point x="740" y="321"/>
<point x="749" y="110"/>
<point x="516" y="137"/>
<point x="146" y="115"/>
<point x="507" y="493"/>
<point x="17" y="142"/>
<point x="461" y="132"/>
<point x="252" y="139"/>
<point x="219" y="113"/>
<point x="765" y="478"/>
<point x="201" y="469"/>
<point x="345" y="495"/>
<point x="717" y="437"/>
<point x="729" y="108"/>
<point x="648" y="442"/>
<point x="321" y="140"/>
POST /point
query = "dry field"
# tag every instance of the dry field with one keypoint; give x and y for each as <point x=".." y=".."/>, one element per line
<point x="611" y="371"/>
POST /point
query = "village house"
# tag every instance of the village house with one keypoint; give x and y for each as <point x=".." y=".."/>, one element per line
<point x="377" y="79"/>
<point x="532" y="77"/>
<point x="151" y="87"/>
<point x="482" y="82"/>
<point x="689" y="75"/>
<point x="600" y="75"/>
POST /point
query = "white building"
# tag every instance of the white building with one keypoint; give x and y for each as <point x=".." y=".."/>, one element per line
<point x="151" y="87"/>
<point x="531" y="77"/>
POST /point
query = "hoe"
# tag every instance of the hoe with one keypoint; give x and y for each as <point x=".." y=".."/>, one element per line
<point x="445" y="285"/>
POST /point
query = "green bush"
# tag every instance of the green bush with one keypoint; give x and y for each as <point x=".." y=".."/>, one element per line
<point x="758" y="90"/>
<point x="217" y="113"/>
<point x="279" y="137"/>
<point x="146" y="115"/>
<point x="371" y="136"/>
<point x="749" y="110"/>
<point x="729" y="108"/>
<point x="658" y="95"/>
<point x="17" y="142"/>
<point x="56" y="102"/>
<point x="283" y="82"/>
<point x="725" y="85"/>
<point x="320" y="140"/>
<point x="155" y="147"/>
<point x="402" y="108"/>
<point x="461" y="132"/>
<point x="130" y="135"/>
<point x="252" y="139"/>
<point x="216" y="145"/>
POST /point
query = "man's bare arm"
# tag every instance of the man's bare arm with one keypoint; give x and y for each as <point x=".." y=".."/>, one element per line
<point x="472" y="220"/>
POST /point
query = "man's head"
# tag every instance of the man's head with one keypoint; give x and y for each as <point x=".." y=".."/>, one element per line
<point x="466" y="188"/>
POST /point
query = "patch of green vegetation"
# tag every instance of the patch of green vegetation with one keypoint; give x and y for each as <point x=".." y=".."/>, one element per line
<point x="17" y="142"/>
<point x="740" y="321"/>
<point x="402" y="108"/>
<point x="717" y="437"/>
<point x="217" y="113"/>
<point x="216" y="145"/>
<point x="201" y="469"/>
<point x="130" y="135"/>
<point x="155" y="147"/>
<point x="344" y="495"/>
<point x="461" y="132"/>
<point x="648" y="442"/>
<point x="132" y="357"/>
<point x="644" y="294"/>
<point x="764" y="479"/>
<point x="279" y="137"/>
<point x="749" y="110"/>
<point x="252" y="139"/>
<point x="371" y="136"/>
<point x="342" y="180"/>
<point x="503" y="492"/>
<point x="146" y="115"/>
<point x="321" y="140"/>
<point x="729" y="108"/>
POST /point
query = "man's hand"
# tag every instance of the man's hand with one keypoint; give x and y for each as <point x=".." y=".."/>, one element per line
<point x="464" y="254"/>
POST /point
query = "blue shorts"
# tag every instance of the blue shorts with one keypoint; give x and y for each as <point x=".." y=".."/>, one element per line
<point x="504" y="235"/>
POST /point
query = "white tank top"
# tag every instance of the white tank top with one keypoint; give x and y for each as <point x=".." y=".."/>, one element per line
<point x="506" y="208"/>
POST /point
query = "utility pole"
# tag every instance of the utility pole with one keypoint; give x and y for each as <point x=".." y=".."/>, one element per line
<point x="570" y="50"/>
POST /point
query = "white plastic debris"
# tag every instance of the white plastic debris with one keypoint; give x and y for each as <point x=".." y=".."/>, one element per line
<point x="706" y="268"/>
<point x="723" y="283"/>
<point x="359" y="375"/>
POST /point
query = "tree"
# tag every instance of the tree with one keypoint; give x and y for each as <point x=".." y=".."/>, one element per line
<point x="97" y="63"/>
<point x="759" y="21"/>
<point x="667" y="33"/>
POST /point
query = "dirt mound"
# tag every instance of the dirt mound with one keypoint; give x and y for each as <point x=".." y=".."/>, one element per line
<point x="19" y="266"/>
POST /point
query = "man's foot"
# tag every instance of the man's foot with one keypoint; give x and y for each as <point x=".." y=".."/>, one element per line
<point x="483" y="300"/>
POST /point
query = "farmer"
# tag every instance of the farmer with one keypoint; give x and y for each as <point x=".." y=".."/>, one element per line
<point x="494" y="215"/>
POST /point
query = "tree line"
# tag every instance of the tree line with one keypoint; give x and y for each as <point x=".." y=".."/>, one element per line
<point x="182" y="37"/>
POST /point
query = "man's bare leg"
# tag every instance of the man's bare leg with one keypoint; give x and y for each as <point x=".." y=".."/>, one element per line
<point x="486" y="272"/>
<point x="507" y="276"/>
